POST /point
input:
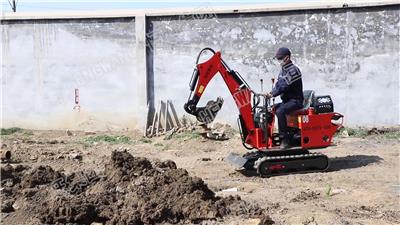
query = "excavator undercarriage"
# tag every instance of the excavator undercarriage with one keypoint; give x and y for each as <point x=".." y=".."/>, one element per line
<point x="270" y="163"/>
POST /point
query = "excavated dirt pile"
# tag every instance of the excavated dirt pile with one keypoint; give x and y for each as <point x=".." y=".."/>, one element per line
<point x="131" y="190"/>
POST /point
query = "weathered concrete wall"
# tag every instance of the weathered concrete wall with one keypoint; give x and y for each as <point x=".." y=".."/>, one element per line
<point x="119" y="64"/>
<point x="44" y="61"/>
<point x="351" y="54"/>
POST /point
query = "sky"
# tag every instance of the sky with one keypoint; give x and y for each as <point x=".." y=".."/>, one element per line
<point x="66" y="5"/>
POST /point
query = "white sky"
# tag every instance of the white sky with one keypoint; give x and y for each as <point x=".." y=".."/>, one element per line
<point x="43" y="5"/>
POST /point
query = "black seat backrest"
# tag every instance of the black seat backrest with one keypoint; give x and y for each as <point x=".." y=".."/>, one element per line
<point x="308" y="97"/>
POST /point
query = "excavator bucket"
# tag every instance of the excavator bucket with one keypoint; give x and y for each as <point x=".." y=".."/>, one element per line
<point x="236" y="160"/>
<point x="208" y="113"/>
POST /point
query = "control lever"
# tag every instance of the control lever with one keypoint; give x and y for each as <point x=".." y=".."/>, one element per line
<point x="273" y="83"/>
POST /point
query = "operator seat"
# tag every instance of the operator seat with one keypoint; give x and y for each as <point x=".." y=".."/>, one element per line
<point x="308" y="97"/>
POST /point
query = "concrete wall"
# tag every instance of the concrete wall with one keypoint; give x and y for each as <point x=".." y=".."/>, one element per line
<point x="350" y="54"/>
<point x="121" y="64"/>
<point x="43" y="62"/>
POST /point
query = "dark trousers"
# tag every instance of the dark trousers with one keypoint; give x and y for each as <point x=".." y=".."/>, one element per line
<point x="282" y="109"/>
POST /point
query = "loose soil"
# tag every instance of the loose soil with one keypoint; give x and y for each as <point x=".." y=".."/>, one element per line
<point x="65" y="178"/>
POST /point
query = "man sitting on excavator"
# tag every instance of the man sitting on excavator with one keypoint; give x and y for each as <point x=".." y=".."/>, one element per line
<point x="290" y="87"/>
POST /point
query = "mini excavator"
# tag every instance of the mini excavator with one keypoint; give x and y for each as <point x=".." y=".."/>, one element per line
<point x="311" y="127"/>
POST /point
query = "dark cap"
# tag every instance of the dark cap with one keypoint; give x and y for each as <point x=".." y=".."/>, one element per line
<point x="282" y="51"/>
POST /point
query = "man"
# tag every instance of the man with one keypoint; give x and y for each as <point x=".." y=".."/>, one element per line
<point x="290" y="87"/>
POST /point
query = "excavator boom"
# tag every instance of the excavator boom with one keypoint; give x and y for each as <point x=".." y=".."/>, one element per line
<point x="239" y="89"/>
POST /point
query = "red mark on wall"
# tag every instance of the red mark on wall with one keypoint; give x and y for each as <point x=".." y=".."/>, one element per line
<point x="77" y="107"/>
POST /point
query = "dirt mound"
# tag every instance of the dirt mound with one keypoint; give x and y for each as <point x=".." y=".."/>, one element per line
<point x="131" y="190"/>
<point x="39" y="176"/>
<point x="305" y="195"/>
<point x="76" y="182"/>
<point x="68" y="210"/>
<point x="169" y="164"/>
<point x="123" y="167"/>
<point x="10" y="180"/>
<point x="11" y="175"/>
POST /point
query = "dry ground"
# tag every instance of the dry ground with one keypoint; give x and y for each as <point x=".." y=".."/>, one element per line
<point x="360" y="187"/>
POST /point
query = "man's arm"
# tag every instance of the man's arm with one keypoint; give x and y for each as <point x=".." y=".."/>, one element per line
<point x="291" y="75"/>
<point x="279" y="88"/>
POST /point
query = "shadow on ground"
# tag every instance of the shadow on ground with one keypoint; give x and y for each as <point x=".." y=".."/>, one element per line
<point x="336" y="164"/>
<point x="352" y="161"/>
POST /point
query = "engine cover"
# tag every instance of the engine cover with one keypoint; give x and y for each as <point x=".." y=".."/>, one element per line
<point x="323" y="104"/>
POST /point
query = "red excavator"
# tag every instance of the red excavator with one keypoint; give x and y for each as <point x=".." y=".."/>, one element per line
<point x="311" y="127"/>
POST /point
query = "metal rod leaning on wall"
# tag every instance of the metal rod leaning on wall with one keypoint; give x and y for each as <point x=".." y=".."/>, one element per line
<point x="146" y="125"/>
<point x="166" y="117"/>
<point x="155" y="119"/>
<point x="174" y="115"/>
<point x="164" y="120"/>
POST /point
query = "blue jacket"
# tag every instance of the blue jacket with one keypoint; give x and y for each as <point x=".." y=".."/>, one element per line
<point x="289" y="84"/>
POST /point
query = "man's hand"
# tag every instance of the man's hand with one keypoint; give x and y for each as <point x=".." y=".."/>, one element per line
<point x="269" y="95"/>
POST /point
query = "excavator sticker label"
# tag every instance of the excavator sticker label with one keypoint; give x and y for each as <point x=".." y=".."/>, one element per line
<point x="201" y="89"/>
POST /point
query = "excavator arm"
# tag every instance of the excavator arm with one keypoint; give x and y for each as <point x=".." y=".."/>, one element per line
<point x="240" y="90"/>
